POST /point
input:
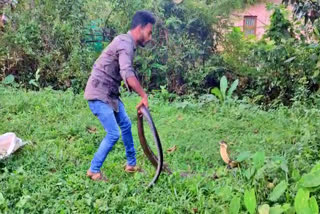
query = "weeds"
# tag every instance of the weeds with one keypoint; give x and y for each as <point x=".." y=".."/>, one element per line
<point x="278" y="151"/>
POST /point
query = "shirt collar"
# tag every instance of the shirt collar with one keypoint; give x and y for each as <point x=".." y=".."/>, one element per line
<point x="134" y="43"/>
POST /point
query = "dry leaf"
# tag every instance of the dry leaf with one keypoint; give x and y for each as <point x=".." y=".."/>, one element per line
<point x="91" y="129"/>
<point x="172" y="149"/>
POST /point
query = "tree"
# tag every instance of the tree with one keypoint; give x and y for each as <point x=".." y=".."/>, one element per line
<point x="280" y="28"/>
<point x="307" y="9"/>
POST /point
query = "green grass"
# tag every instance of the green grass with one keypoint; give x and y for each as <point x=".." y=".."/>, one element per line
<point x="48" y="174"/>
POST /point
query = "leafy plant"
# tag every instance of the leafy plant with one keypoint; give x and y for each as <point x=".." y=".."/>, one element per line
<point x="280" y="28"/>
<point x="234" y="207"/>
<point x="278" y="209"/>
<point x="278" y="191"/>
<point x="311" y="179"/>
<point x="258" y="159"/>
<point x="303" y="204"/>
<point x="8" y="80"/>
<point x="264" y="209"/>
<point x="35" y="81"/>
<point x="223" y="94"/>
<point x="46" y="37"/>
<point x="308" y="182"/>
<point x="250" y="201"/>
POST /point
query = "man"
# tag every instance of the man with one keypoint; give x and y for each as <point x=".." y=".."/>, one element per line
<point x="102" y="91"/>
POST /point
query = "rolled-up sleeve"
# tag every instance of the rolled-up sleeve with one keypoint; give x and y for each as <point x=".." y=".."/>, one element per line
<point x="126" y="53"/>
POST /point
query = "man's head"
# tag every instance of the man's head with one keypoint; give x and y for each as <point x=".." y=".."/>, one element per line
<point x="141" y="27"/>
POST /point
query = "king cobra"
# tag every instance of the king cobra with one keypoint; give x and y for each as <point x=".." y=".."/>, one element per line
<point x="156" y="160"/>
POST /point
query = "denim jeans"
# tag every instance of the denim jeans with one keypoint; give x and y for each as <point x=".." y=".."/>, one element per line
<point x="111" y="121"/>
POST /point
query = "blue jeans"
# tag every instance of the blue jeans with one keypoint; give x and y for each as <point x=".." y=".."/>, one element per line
<point x="110" y="120"/>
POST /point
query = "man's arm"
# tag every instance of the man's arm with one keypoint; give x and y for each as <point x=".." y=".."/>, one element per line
<point x="126" y="53"/>
<point x="135" y="85"/>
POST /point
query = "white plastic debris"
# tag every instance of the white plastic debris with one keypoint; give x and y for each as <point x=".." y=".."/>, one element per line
<point x="9" y="143"/>
<point x="177" y="1"/>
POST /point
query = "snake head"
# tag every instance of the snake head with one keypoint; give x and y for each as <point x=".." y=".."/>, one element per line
<point x="223" y="144"/>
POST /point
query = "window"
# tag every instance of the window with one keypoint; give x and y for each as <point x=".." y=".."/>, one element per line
<point x="249" y="25"/>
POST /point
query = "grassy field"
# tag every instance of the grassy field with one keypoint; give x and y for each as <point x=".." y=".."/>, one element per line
<point x="276" y="148"/>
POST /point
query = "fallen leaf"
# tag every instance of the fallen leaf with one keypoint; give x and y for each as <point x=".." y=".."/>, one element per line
<point x="172" y="149"/>
<point x="91" y="129"/>
<point x="53" y="170"/>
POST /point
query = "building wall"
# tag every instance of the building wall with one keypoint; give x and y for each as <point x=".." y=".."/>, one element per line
<point x="259" y="10"/>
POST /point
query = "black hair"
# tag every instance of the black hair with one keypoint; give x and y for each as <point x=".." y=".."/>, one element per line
<point x="142" y="17"/>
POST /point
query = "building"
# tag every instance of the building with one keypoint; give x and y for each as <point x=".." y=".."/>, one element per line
<point x="254" y="19"/>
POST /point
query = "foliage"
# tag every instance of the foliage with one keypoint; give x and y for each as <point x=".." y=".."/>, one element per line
<point x="41" y="45"/>
<point x="47" y="44"/>
<point x="183" y="51"/>
<point x="279" y="28"/>
<point x="305" y="205"/>
<point x="309" y="10"/>
<point x="278" y="191"/>
<point x="281" y="69"/>
<point x="234" y="205"/>
<point x="250" y="201"/>
<point x="48" y="175"/>
<point x="61" y="40"/>
<point x="236" y="49"/>
<point x="51" y="38"/>
<point x="223" y="94"/>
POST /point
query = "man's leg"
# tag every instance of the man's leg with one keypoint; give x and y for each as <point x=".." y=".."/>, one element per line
<point x="106" y="115"/>
<point x="125" y="126"/>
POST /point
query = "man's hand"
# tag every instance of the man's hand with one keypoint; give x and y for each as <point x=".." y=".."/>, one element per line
<point x="143" y="102"/>
<point x="135" y="85"/>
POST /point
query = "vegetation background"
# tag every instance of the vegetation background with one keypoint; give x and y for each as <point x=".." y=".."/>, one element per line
<point x="261" y="97"/>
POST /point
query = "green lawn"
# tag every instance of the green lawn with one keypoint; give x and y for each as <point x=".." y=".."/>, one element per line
<point x="48" y="174"/>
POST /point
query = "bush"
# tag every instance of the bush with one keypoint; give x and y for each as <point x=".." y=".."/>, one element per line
<point x="45" y="37"/>
<point x="282" y="68"/>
